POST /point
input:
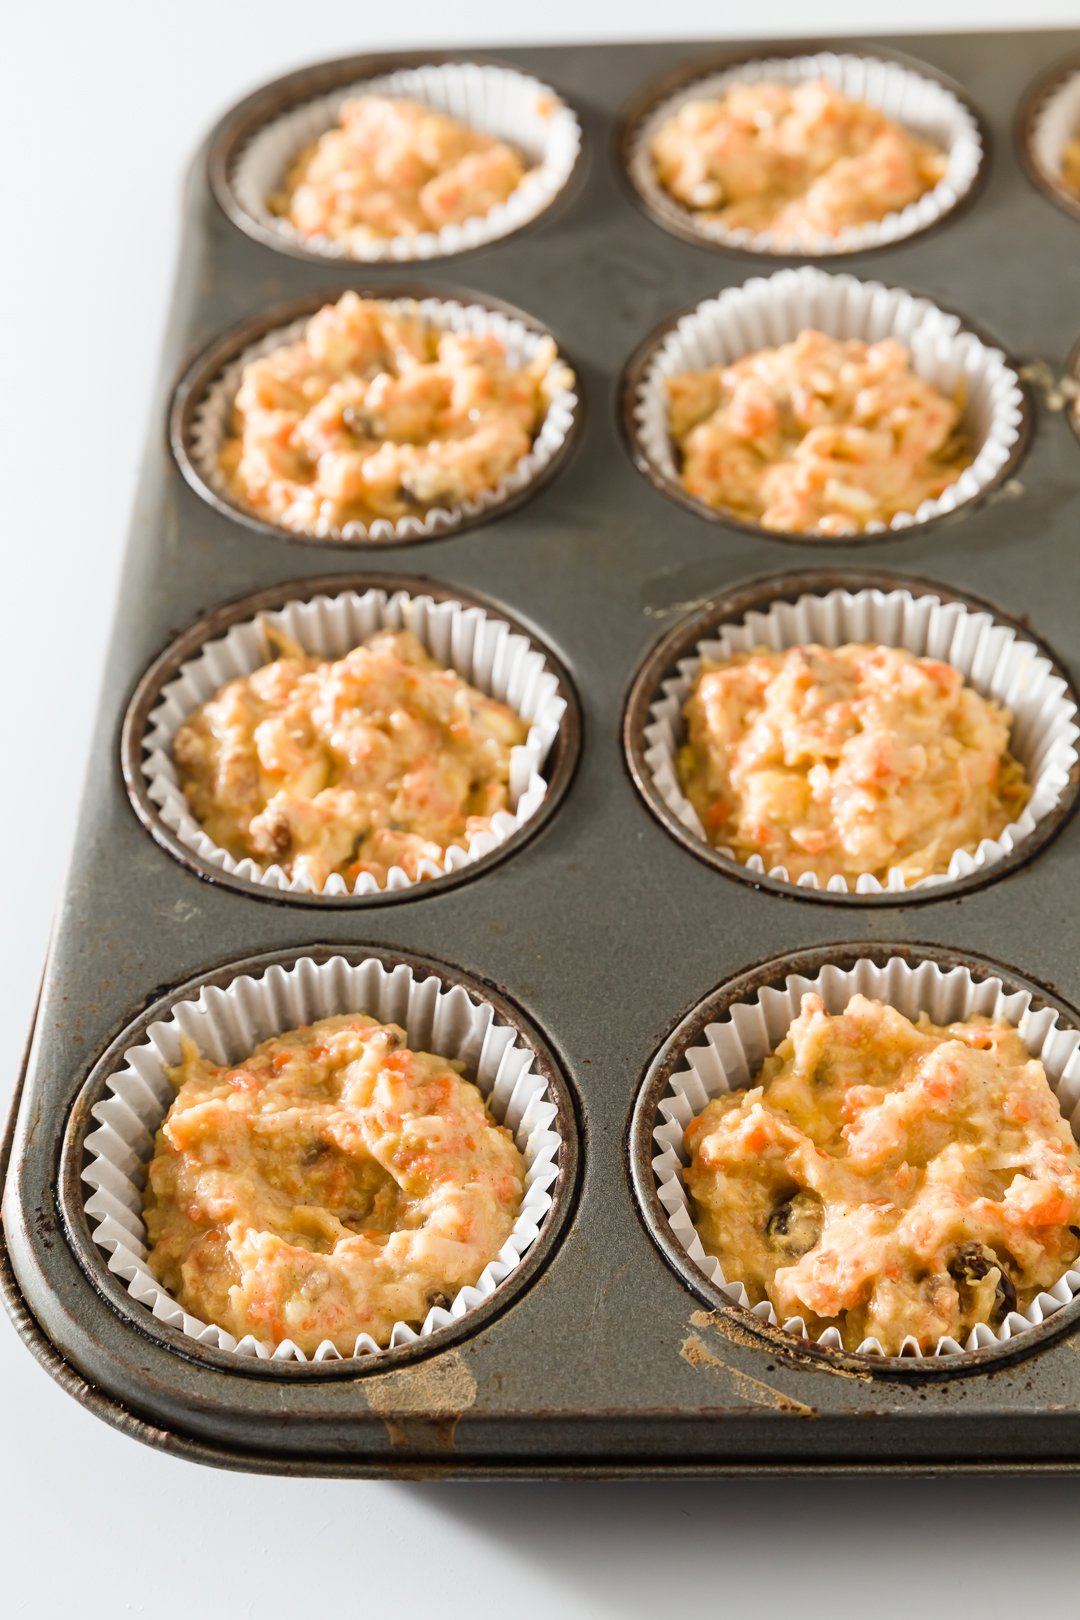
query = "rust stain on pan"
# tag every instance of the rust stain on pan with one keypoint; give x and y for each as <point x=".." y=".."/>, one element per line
<point x="422" y="1406"/>
<point x="696" y="1353"/>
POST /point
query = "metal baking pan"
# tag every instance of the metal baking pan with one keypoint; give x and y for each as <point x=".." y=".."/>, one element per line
<point x="600" y="927"/>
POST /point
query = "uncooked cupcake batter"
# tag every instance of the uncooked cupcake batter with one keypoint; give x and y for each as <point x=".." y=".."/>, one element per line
<point x="377" y="413"/>
<point x="394" y="168"/>
<point x="330" y="1184"/>
<point x="376" y="760"/>
<point x="839" y="761"/>
<point x="819" y="436"/>
<point x="798" y="161"/>
<point x="888" y="1178"/>
<point x="1070" y="166"/>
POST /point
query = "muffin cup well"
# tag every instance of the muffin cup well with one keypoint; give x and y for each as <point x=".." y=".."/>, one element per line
<point x="110" y="1135"/>
<point x="911" y="96"/>
<point x="997" y="657"/>
<point x="720" y="1047"/>
<point x="250" y="159"/>
<point x="766" y="312"/>
<point x="328" y="617"/>
<point x="1049" y="118"/>
<point x="199" y="417"/>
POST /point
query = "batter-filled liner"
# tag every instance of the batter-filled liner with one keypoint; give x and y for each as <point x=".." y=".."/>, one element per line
<point x="993" y="658"/>
<point x="226" y="1024"/>
<point x="734" y="1049"/>
<point x="210" y="424"/>
<point x="501" y="102"/>
<point x="1054" y="122"/>
<point x="768" y="312"/>
<point x="919" y="104"/>
<point x="483" y="650"/>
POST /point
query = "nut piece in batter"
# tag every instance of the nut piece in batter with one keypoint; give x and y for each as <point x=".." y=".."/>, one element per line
<point x="394" y="168"/>
<point x="889" y="1179"/>
<point x="839" y="761"/>
<point x="379" y="759"/>
<point x="819" y="436"/>
<point x="331" y="1184"/>
<point x="799" y="161"/>
<point x="377" y="413"/>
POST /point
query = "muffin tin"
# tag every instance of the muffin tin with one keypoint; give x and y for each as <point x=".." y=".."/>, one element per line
<point x="598" y="935"/>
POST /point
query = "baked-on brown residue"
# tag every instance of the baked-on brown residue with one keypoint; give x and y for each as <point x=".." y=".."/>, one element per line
<point x="696" y="1353"/>
<point x="728" y="1328"/>
<point x="422" y="1405"/>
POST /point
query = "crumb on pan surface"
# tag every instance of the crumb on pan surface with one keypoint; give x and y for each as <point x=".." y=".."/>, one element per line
<point x="840" y="761"/>
<point x="887" y="1178"/>
<point x="796" y="161"/>
<point x="377" y="412"/>
<point x="331" y="1184"/>
<point x="818" y="436"/>
<point x="376" y="760"/>
<point x="392" y="167"/>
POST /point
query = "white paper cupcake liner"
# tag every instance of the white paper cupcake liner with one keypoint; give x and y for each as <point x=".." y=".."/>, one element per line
<point x="766" y="312"/>
<point x="992" y="657"/>
<point x="210" y="423"/>
<point x="1053" y="123"/>
<point x="484" y="650"/>
<point x="226" y="1024"/>
<point x="497" y="101"/>
<point x="735" y="1048"/>
<point x="921" y="105"/>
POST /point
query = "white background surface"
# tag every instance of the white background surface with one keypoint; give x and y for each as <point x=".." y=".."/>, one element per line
<point x="101" y="106"/>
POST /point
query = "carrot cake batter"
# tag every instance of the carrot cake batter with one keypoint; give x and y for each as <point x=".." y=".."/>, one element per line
<point x="330" y="1184"/>
<point x="842" y="760"/>
<point x="888" y="1178"/>
<point x="798" y="161"/>
<point x="394" y="168"/>
<point x="379" y="759"/>
<point x="819" y="436"/>
<point x="377" y="413"/>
